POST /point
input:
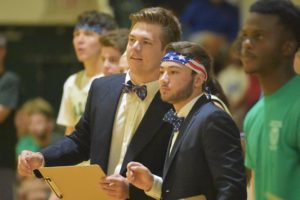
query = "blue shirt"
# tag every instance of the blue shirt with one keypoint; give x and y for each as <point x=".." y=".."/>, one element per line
<point x="202" y="15"/>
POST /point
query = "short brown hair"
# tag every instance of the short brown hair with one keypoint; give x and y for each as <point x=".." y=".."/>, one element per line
<point x="93" y="17"/>
<point x="117" y="39"/>
<point x="38" y="106"/>
<point x="171" y="28"/>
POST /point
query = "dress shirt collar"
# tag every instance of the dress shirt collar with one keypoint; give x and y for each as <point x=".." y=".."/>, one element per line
<point x="185" y="110"/>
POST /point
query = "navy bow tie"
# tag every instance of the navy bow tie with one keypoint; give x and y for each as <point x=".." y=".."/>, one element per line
<point x="141" y="91"/>
<point x="173" y="119"/>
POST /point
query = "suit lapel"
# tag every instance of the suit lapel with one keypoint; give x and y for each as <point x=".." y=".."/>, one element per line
<point x="168" y="150"/>
<point x="182" y="133"/>
<point x="108" y="101"/>
<point x="148" y="127"/>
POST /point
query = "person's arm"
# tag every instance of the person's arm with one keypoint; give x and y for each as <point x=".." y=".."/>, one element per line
<point x="9" y="96"/>
<point x="222" y="147"/>
<point x="250" y="188"/>
<point x="69" y="130"/>
<point x="4" y="113"/>
<point x="249" y="158"/>
<point x="141" y="177"/>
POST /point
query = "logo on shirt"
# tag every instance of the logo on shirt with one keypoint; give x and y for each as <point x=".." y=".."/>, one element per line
<point x="274" y="134"/>
<point x="78" y="109"/>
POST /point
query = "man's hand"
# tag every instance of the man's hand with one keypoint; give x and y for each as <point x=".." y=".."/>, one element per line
<point x="28" y="161"/>
<point x="115" y="186"/>
<point x="139" y="176"/>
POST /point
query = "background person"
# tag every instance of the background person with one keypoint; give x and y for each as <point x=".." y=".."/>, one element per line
<point x="88" y="29"/>
<point x="113" y="45"/>
<point x="269" y="41"/>
<point x="9" y="99"/>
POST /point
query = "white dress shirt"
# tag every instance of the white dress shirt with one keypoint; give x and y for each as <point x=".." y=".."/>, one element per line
<point x="129" y="114"/>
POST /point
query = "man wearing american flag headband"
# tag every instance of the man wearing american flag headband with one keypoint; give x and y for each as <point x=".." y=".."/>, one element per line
<point x="195" y="65"/>
<point x="204" y="159"/>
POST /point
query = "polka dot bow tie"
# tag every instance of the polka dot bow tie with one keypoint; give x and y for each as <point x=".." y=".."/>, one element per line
<point x="173" y="119"/>
<point x="141" y="91"/>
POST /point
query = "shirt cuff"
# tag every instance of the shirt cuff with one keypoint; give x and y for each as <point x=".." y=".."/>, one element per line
<point x="155" y="191"/>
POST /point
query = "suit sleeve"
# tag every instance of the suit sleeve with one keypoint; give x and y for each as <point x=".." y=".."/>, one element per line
<point x="74" y="148"/>
<point x="222" y="147"/>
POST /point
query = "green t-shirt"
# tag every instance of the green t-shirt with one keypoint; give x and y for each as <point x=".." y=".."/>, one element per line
<point x="272" y="129"/>
<point x="27" y="143"/>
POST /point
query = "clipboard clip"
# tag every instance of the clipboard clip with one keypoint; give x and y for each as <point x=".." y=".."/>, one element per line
<point x="54" y="187"/>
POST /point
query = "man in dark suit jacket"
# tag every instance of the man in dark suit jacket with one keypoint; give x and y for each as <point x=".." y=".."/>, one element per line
<point x="204" y="158"/>
<point x="122" y="121"/>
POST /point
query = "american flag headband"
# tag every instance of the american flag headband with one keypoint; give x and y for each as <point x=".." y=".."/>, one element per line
<point x="173" y="56"/>
<point x="95" y="28"/>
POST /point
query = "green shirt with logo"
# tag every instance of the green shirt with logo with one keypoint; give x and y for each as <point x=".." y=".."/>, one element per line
<point x="272" y="129"/>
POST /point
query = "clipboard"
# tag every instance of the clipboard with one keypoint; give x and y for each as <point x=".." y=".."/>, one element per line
<point x="74" y="182"/>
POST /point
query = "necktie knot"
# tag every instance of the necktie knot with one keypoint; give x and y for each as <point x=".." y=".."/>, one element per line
<point x="141" y="91"/>
<point x="173" y="119"/>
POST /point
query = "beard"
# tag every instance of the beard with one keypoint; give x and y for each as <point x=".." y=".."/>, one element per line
<point x="181" y="94"/>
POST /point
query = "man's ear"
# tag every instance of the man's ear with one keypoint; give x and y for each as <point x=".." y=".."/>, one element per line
<point x="289" y="48"/>
<point x="199" y="80"/>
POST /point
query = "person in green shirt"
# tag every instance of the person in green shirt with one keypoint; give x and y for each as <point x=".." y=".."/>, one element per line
<point x="41" y="126"/>
<point x="268" y="43"/>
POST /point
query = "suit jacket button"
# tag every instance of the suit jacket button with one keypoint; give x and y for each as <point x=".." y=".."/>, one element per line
<point x="167" y="191"/>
